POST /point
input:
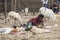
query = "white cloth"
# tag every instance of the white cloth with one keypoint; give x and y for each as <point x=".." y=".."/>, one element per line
<point x="21" y="30"/>
<point x="5" y="30"/>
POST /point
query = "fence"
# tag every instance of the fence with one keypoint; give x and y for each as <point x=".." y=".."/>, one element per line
<point x="14" y="5"/>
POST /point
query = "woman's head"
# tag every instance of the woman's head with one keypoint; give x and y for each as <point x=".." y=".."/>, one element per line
<point x="41" y="16"/>
<point x="14" y="27"/>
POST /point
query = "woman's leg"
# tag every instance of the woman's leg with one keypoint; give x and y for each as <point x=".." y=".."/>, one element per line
<point x="29" y="26"/>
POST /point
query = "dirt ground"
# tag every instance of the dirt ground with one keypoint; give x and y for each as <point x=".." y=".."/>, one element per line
<point x="53" y="35"/>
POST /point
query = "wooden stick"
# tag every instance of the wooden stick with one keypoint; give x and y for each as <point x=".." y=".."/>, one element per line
<point x="19" y="5"/>
<point x="5" y="6"/>
<point x="52" y="3"/>
<point x="12" y="5"/>
<point x="15" y="5"/>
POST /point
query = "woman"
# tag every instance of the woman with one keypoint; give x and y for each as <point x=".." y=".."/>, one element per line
<point x="35" y="22"/>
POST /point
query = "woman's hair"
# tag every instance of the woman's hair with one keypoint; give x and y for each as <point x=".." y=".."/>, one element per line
<point x="14" y="26"/>
<point x="41" y="16"/>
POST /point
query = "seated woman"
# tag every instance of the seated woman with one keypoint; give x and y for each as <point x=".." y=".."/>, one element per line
<point x="35" y="22"/>
<point x="14" y="30"/>
<point x="55" y="7"/>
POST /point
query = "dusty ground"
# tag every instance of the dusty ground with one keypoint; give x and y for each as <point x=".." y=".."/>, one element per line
<point x="53" y="35"/>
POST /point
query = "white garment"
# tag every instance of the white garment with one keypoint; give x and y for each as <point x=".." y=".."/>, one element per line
<point x="26" y="10"/>
<point x="44" y="1"/>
